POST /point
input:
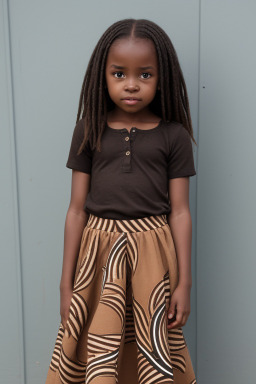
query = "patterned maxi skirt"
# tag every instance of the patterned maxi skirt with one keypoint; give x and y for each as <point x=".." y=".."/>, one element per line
<point x="117" y="331"/>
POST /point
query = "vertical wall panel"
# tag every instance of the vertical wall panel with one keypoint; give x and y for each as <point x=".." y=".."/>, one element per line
<point x="12" y="358"/>
<point x="226" y="194"/>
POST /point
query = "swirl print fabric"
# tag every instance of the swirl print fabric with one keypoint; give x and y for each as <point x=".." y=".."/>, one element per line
<point x="117" y="331"/>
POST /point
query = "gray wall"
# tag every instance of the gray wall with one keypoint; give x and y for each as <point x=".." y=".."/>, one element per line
<point x="226" y="190"/>
<point x="46" y="47"/>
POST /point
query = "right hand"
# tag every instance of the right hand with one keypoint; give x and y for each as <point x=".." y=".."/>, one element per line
<point x="65" y="301"/>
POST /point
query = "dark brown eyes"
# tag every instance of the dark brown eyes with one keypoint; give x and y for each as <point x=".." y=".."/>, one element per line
<point x="120" y="72"/>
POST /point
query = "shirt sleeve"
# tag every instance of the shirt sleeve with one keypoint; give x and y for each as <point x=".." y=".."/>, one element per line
<point x="180" y="159"/>
<point x="83" y="161"/>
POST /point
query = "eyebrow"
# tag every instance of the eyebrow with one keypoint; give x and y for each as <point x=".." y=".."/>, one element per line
<point x="120" y="67"/>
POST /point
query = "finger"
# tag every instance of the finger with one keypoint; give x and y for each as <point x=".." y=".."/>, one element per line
<point x="179" y="316"/>
<point x="177" y="322"/>
<point x="172" y="323"/>
<point x="183" y="320"/>
<point x="172" y="310"/>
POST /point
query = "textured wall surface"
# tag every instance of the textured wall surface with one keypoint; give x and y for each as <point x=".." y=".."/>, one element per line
<point x="226" y="191"/>
<point x="46" y="47"/>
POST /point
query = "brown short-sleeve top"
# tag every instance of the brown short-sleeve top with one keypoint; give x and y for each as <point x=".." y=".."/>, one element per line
<point x="129" y="177"/>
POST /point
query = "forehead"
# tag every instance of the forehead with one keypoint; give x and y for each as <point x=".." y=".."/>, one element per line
<point x="132" y="51"/>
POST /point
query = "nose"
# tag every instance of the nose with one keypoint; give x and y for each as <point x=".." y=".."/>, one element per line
<point x="131" y="85"/>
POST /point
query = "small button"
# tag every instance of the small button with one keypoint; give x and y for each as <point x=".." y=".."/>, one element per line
<point x="128" y="153"/>
<point x="127" y="138"/>
<point x="133" y="130"/>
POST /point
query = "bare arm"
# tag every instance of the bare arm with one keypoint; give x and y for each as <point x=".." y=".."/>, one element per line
<point x="180" y="223"/>
<point x="76" y="220"/>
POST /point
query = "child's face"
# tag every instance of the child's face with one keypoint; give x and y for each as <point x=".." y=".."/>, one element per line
<point x="127" y="75"/>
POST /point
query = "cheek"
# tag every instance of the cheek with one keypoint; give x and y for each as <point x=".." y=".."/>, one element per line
<point x="151" y="90"/>
<point x="114" y="87"/>
<point x="113" y="91"/>
<point x="109" y="78"/>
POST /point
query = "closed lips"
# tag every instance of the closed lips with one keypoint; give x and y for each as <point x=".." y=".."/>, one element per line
<point x="130" y="98"/>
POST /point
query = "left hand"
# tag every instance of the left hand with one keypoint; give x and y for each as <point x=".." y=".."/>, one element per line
<point x="179" y="306"/>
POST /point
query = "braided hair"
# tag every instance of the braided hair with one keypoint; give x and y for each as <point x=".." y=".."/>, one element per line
<point x="170" y="102"/>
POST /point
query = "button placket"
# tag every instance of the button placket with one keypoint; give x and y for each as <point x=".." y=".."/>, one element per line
<point x="126" y="163"/>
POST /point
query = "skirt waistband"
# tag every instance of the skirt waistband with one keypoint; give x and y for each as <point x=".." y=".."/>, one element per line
<point x="128" y="225"/>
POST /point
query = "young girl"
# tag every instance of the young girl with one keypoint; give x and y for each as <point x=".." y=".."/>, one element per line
<point x="126" y="276"/>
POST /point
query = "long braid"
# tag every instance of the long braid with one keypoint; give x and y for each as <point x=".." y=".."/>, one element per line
<point x="171" y="103"/>
<point x="178" y="108"/>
